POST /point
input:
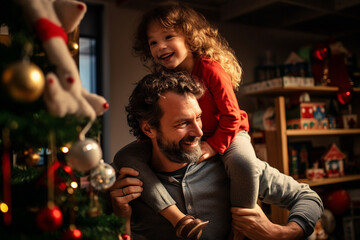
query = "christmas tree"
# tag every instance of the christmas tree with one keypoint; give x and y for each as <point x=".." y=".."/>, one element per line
<point x="52" y="172"/>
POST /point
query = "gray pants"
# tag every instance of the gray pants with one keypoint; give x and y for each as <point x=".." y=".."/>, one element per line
<point x="239" y="161"/>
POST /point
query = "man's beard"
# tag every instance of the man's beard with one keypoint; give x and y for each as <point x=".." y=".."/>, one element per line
<point x="175" y="153"/>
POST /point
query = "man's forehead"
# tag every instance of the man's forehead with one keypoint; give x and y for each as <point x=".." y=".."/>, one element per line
<point x="176" y="104"/>
<point x="172" y="97"/>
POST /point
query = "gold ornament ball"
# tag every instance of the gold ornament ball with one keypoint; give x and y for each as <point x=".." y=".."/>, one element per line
<point x="24" y="81"/>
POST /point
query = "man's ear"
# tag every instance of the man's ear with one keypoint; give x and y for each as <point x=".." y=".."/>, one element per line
<point x="147" y="129"/>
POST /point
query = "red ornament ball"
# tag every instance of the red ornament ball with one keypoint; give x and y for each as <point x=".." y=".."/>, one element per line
<point x="321" y="52"/>
<point x="125" y="236"/>
<point x="338" y="202"/>
<point x="49" y="219"/>
<point x="72" y="234"/>
<point x="344" y="97"/>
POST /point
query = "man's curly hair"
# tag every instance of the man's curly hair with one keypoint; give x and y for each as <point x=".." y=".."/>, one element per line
<point x="143" y="102"/>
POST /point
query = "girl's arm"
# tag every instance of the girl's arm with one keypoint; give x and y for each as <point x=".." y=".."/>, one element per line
<point x="137" y="155"/>
<point x="230" y="117"/>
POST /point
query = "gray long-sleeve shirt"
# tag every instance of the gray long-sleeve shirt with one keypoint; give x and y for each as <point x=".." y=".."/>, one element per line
<point x="204" y="193"/>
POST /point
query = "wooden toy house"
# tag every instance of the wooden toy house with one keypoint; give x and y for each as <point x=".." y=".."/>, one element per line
<point x="334" y="162"/>
<point x="307" y="115"/>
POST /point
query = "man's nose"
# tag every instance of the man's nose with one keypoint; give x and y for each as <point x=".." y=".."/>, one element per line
<point x="196" y="130"/>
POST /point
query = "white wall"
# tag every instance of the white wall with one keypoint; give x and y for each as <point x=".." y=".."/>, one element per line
<point x="123" y="69"/>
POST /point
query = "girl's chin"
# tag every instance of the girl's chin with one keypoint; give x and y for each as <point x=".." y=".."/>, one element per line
<point x="171" y="67"/>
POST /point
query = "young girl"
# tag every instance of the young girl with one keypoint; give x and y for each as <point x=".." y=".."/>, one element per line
<point x="176" y="37"/>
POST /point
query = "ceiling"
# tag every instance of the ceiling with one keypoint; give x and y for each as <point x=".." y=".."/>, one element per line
<point x="337" y="18"/>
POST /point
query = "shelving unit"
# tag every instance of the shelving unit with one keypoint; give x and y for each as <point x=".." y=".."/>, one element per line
<point x="316" y="90"/>
<point x="277" y="141"/>
<point x="327" y="181"/>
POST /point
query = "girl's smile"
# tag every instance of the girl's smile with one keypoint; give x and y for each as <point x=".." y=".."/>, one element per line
<point x="166" y="57"/>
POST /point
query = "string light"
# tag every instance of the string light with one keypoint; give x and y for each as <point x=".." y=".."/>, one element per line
<point x="64" y="149"/>
<point x="70" y="190"/>
<point x="77" y="233"/>
<point x="4" y="207"/>
<point x="74" y="184"/>
<point x="76" y="46"/>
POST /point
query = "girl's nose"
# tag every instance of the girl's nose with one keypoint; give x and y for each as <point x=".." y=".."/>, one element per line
<point x="162" y="45"/>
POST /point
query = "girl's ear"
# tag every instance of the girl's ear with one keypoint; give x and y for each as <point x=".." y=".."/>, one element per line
<point x="147" y="129"/>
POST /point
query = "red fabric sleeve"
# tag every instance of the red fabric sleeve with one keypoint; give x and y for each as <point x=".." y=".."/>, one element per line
<point x="230" y="118"/>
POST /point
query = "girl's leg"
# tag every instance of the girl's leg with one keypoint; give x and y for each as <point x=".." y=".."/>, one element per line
<point x="137" y="155"/>
<point x="239" y="161"/>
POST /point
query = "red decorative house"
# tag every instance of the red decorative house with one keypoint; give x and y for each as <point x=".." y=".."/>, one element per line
<point x="307" y="115"/>
<point x="333" y="162"/>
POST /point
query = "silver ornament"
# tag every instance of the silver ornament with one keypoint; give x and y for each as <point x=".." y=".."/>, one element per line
<point x="103" y="176"/>
<point x="84" y="155"/>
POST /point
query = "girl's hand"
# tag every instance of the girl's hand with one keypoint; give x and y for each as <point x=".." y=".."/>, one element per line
<point x="206" y="151"/>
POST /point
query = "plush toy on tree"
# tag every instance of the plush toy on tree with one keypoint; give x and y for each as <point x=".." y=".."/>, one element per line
<point x="64" y="94"/>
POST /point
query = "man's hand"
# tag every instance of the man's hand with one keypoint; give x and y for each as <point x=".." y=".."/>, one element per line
<point x="206" y="151"/>
<point x="255" y="225"/>
<point x="125" y="189"/>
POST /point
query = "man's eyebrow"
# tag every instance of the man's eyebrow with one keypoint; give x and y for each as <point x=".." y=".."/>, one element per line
<point x="180" y="120"/>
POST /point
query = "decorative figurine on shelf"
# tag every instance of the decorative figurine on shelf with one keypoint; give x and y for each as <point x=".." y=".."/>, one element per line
<point x="349" y="119"/>
<point x="307" y="115"/>
<point x="329" y="68"/>
<point x="333" y="161"/>
<point x="315" y="173"/>
<point x="324" y="227"/>
<point x="319" y="231"/>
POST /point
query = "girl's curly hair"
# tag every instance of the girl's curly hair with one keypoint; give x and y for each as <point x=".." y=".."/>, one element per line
<point x="201" y="37"/>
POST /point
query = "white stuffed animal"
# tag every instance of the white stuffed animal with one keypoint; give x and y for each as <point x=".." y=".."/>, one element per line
<point x="64" y="94"/>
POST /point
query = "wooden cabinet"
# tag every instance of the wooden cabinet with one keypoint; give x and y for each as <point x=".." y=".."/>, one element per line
<point x="277" y="141"/>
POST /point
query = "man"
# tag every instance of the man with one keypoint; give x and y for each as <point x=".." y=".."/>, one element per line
<point x="201" y="190"/>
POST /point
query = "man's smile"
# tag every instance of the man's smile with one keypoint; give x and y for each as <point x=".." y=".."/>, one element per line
<point x="190" y="143"/>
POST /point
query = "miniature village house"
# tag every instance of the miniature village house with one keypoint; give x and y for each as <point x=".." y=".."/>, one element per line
<point x="333" y="162"/>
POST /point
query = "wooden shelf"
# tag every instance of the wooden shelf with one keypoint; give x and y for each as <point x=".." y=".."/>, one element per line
<point x="255" y="135"/>
<point x="318" y="90"/>
<point x="321" y="132"/>
<point x="326" y="181"/>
